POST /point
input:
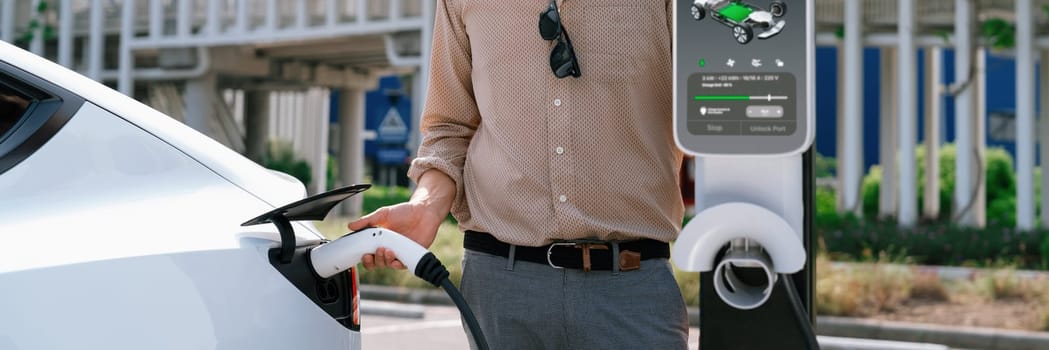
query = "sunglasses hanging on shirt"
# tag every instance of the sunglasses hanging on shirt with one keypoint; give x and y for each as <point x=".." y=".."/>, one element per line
<point x="562" y="59"/>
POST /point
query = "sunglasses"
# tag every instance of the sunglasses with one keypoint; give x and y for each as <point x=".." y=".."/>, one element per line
<point x="562" y="59"/>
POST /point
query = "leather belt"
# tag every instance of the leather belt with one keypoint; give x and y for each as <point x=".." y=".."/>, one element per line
<point x="575" y="254"/>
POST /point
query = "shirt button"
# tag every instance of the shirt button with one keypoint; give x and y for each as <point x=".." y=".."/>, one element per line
<point x="560" y="150"/>
<point x="562" y="198"/>
<point x="557" y="102"/>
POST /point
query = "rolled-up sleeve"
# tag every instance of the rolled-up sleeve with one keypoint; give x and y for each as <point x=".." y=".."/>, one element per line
<point x="450" y="116"/>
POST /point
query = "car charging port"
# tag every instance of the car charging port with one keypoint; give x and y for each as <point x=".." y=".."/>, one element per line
<point x="335" y="294"/>
<point x="325" y="272"/>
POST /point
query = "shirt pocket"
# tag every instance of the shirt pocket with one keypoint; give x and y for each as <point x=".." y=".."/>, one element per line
<point x="612" y="39"/>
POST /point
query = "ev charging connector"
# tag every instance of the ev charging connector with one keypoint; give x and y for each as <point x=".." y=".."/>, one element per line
<point x="325" y="261"/>
<point x="746" y="113"/>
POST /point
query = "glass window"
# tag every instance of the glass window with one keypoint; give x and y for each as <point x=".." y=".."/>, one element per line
<point x="13" y="106"/>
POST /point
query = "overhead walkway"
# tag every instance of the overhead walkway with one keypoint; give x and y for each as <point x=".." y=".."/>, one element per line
<point x="241" y="71"/>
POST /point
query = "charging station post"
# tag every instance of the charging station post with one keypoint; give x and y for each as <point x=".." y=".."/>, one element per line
<point x="746" y="113"/>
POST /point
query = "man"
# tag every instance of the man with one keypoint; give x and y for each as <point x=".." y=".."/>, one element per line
<point x="556" y="155"/>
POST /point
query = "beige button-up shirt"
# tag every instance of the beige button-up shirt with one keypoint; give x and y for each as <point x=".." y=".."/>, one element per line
<point x="536" y="158"/>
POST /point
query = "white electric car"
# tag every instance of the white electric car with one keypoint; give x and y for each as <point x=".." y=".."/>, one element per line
<point x="120" y="228"/>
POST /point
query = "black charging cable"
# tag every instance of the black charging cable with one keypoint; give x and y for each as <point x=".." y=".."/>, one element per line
<point x="431" y="270"/>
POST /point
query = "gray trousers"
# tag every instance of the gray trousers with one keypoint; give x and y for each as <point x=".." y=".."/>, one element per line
<point x="524" y="305"/>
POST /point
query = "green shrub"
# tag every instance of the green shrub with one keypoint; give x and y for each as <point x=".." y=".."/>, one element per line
<point x="826" y="207"/>
<point x="1044" y="249"/>
<point x="280" y="156"/>
<point x="1001" y="211"/>
<point x="932" y="243"/>
<point x="871" y="192"/>
<point x="333" y="173"/>
<point x="1001" y="187"/>
<point x="381" y="196"/>
<point x="824" y="166"/>
<point x="998" y="176"/>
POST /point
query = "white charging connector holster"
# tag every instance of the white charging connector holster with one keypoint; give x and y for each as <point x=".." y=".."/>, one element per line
<point x="753" y="206"/>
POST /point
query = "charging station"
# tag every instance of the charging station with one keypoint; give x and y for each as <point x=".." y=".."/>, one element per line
<point x="743" y="106"/>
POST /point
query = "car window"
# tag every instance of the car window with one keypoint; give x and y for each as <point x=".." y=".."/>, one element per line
<point x="13" y="107"/>
<point x="32" y="110"/>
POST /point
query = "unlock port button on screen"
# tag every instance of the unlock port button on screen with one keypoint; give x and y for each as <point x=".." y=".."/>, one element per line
<point x="763" y="112"/>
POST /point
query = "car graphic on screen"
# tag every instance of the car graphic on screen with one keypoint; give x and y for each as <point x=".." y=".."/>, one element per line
<point x="743" y="17"/>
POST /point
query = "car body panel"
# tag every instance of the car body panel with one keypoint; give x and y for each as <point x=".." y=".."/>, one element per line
<point x="274" y="190"/>
<point x="103" y="189"/>
<point x="193" y="300"/>
<point x="122" y="231"/>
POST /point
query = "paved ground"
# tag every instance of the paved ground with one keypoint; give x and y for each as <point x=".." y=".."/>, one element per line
<point x="439" y="329"/>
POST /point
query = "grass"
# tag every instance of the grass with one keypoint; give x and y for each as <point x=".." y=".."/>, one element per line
<point x="860" y="290"/>
<point x="1005" y="284"/>
<point x="877" y="287"/>
<point x="1045" y="312"/>
<point x="927" y="285"/>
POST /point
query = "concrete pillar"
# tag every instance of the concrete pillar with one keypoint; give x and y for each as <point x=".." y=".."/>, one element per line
<point x="351" y="145"/>
<point x="963" y="105"/>
<point x="887" y="136"/>
<point x="317" y="106"/>
<point x="852" y="154"/>
<point x="199" y="98"/>
<point x="126" y="60"/>
<point x="36" y="45"/>
<point x="840" y="133"/>
<point x="979" y="137"/>
<point x="1025" y="103"/>
<point x="95" y="40"/>
<point x="933" y="108"/>
<point x="1043" y="134"/>
<point x="420" y="83"/>
<point x="7" y="21"/>
<point x="65" y="33"/>
<point x="256" y="122"/>
<point x="907" y="116"/>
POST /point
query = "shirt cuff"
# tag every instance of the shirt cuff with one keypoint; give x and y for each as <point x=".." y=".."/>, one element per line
<point x="422" y="164"/>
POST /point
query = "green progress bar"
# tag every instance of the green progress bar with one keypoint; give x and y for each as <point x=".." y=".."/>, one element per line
<point x="722" y="98"/>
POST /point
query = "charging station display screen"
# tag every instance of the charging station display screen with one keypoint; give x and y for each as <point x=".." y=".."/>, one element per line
<point x="743" y="80"/>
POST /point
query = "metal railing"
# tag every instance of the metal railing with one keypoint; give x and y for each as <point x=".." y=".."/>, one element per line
<point x="929" y="13"/>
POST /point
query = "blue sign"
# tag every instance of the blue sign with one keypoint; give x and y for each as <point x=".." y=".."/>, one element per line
<point x="393" y="129"/>
<point x="377" y="111"/>
<point x="392" y="156"/>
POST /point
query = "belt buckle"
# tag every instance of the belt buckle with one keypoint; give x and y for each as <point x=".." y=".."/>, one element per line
<point x="550" y="252"/>
<point x="584" y="244"/>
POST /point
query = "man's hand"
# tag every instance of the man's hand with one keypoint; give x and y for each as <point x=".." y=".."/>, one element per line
<point x="417" y="219"/>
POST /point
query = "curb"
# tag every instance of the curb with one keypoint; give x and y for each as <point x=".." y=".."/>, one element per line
<point x="405" y="295"/>
<point x="949" y="273"/>
<point x="392" y="309"/>
<point x="954" y="337"/>
<point x="838" y="343"/>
